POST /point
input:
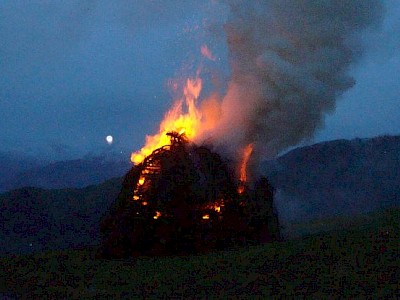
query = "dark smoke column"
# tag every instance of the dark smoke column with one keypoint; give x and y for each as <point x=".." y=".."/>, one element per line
<point x="290" y="61"/>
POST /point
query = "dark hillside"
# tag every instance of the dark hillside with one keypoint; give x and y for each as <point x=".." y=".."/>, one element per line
<point x="13" y="163"/>
<point x="337" y="177"/>
<point x="69" y="174"/>
<point x="34" y="219"/>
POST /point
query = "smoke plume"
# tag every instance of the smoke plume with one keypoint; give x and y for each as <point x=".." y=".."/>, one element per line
<point x="290" y="62"/>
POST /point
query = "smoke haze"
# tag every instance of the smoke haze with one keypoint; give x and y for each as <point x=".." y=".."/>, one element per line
<point x="289" y="61"/>
<point x="74" y="71"/>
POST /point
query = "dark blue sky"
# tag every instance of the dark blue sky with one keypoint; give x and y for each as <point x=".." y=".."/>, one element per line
<point x="73" y="72"/>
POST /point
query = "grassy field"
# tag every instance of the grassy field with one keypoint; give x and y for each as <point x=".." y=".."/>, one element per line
<point x="362" y="261"/>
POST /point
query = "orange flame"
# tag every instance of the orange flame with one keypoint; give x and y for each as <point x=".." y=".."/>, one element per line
<point x="141" y="180"/>
<point x="243" y="167"/>
<point x="245" y="159"/>
<point x="158" y="214"/>
<point x="241" y="189"/>
<point x="216" y="206"/>
<point x="206" y="217"/>
<point x="184" y="117"/>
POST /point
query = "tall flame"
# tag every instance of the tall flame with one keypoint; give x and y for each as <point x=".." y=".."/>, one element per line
<point x="245" y="159"/>
<point x="184" y="117"/>
<point x="243" y="167"/>
<point x="192" y="120"/>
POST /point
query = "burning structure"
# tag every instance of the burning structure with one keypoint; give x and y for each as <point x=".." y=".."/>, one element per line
<point x="185" y="199"/>
<point x="289" y="63"/>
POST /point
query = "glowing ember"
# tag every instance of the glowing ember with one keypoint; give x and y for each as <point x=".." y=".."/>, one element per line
<point x="216" y="206"/>
<point x="158" y="214"/>
<point x="241" y="189"/>
<point x="206" y="217"/>
<point x="144" y="203"/>
<point x="135" y="197"/>
<point x="141" y="180"/>
<point x="184" y="117"/>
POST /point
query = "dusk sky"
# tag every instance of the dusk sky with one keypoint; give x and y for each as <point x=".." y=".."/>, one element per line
<point x="73" y="72"/>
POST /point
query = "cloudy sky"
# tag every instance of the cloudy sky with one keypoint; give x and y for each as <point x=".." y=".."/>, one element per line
<point x="73" y="72"/>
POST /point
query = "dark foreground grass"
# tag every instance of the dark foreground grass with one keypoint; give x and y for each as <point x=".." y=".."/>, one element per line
<point x="361" y="262"/>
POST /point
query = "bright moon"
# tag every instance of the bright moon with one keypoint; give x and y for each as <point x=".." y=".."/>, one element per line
<point x="109" y="139"/>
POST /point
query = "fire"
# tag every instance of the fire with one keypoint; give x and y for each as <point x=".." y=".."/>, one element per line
<point x="245" y="159"/>
<point x="216" y="206"/>
<point x="195" y="120"/>
<point x="184" y="117"/>
<point x="158" y="214"/>
<point x="241" y="189"/>
<point x="243" y="167"/>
